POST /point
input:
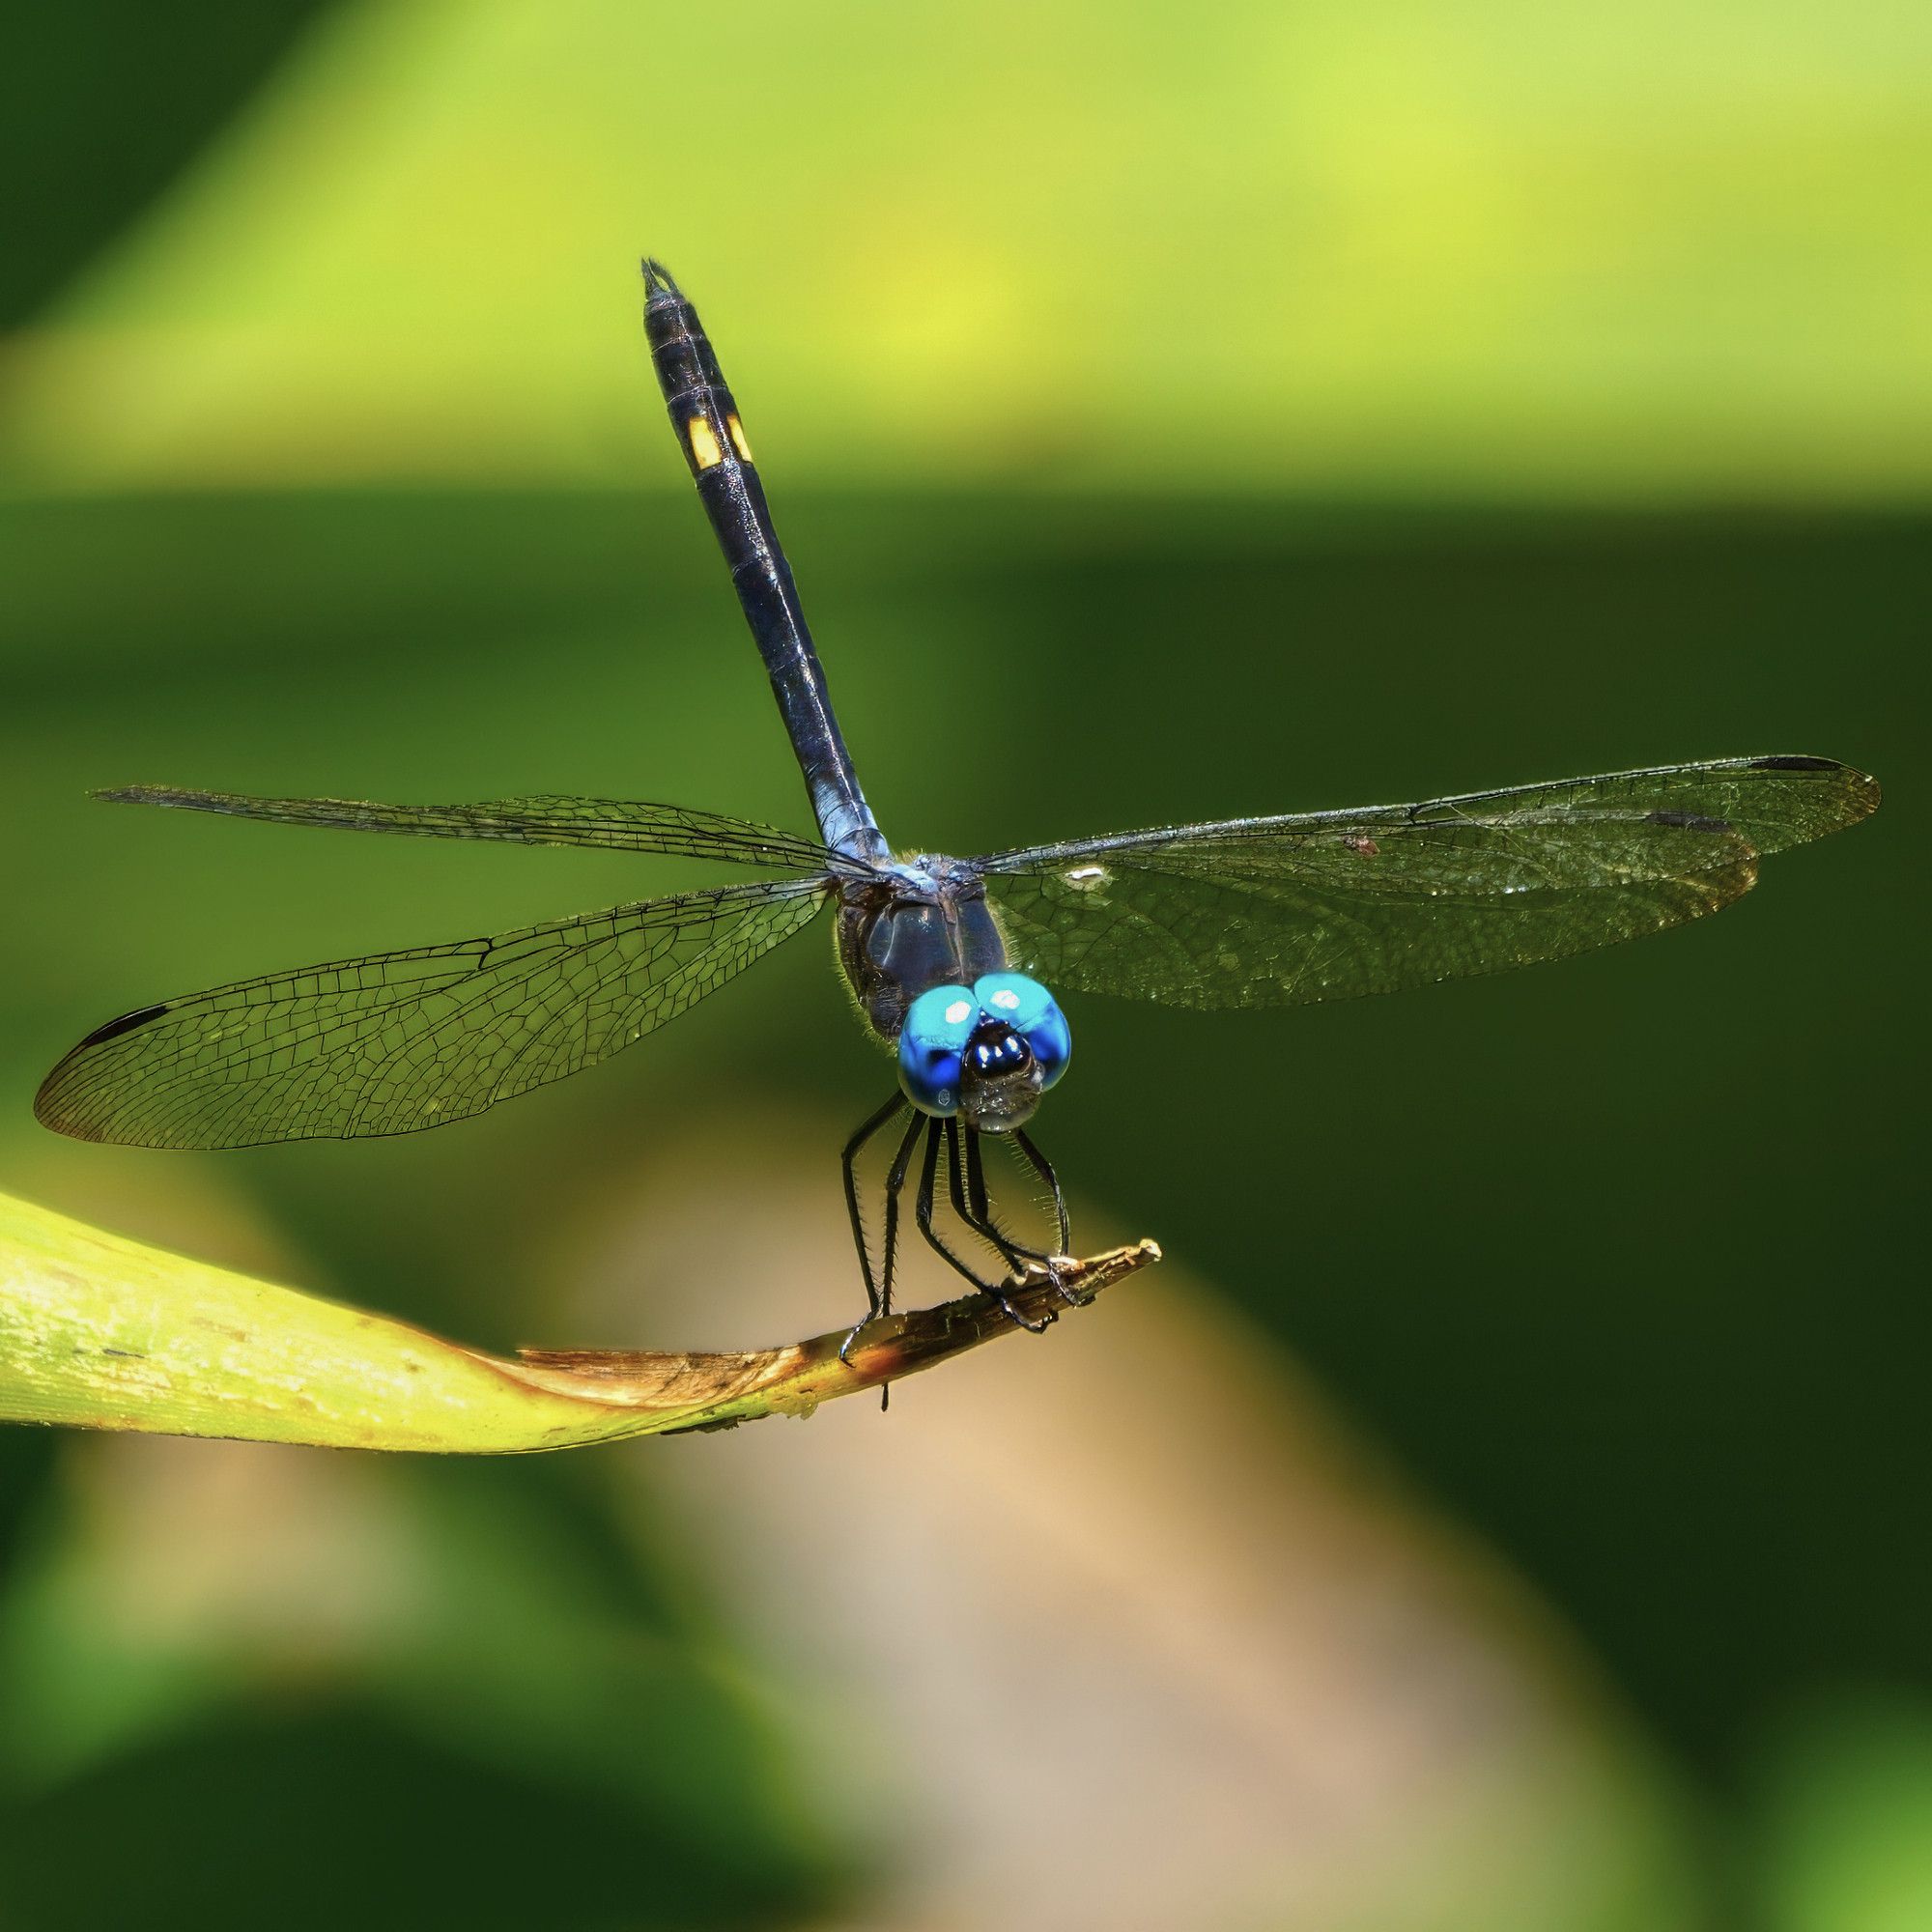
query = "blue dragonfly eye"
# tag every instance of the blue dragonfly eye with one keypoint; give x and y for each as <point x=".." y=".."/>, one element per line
<point x="932" y="1044"/>
<point x="1032" y="1012"/>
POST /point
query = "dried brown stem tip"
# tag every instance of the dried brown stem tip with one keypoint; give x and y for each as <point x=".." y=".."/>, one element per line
<point x="719" y="1391"/>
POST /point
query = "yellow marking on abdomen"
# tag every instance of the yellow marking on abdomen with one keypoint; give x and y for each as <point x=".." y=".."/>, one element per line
<point x="704" y="450"/>
<point x="738" y="443"/>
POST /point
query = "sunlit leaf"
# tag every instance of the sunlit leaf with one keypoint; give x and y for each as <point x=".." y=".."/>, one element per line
<point x="100" y="1332"/>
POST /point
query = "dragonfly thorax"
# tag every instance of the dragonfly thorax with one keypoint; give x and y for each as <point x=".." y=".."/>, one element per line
<point x="917" y="924"/>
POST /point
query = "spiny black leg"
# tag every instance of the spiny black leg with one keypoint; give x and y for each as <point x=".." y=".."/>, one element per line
<point x="849" y="1158"/>
<point x="878" y="1290"/>
<point x="894" y="1183"/>
<point x="982" y="1220"/>
<point x="923" y="1207"/>
<point x="883" y="1304"/>
<point x="977" y="1213"/>
<point x="972" y="1214"/>
<point x="1043" y="1167"/>
<point x="982" y="1212"/>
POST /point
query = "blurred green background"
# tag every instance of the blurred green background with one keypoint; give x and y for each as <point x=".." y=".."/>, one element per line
<point x="1293" y="407"/>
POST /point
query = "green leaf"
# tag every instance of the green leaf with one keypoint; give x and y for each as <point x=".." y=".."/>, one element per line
<point x="100" y="1332"/>
<point x="1674" y="254"/>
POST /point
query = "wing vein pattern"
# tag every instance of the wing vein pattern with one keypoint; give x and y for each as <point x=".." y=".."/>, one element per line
<point x="397" y="1041"/>
<point x="1329" y="905"/>
<point x="613" y="824"/>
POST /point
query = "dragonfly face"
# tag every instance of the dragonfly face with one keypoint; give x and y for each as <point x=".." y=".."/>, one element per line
<point x="986" y="1052"/>
<point x="1240" y="912"/>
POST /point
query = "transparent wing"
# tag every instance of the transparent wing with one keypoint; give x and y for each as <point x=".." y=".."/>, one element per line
<point x="402" y="1041"/>
<point x="1330" y="905"/>
<point x="616" y="824"/>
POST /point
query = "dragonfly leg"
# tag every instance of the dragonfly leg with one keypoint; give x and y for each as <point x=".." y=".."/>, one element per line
<point x="978" y="1214"/>
<point x="982" y="1207"/>
<point x="895" y="1181"/>
<point x="969" y="1202"/>
<point x="849" y="1162"/>
<point x="878" y="1288"/>
<point x="923" y="1208"/>
<point x="976" y="1189"/>
<point x="1043" y="1167"/>
<point x="895" y="1184"/>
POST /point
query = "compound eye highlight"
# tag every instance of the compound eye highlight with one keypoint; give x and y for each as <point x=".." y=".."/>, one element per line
<point x="1033" y="1013"/>
<point x="932" y="1046"/>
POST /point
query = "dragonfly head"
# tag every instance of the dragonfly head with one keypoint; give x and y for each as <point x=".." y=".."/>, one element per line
<point x="985" y="1052"/>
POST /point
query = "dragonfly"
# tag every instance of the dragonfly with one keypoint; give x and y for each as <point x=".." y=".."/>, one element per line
<point x="957" y="965"/>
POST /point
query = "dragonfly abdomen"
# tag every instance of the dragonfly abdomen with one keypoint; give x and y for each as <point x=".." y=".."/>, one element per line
<point x="705" y="415"/>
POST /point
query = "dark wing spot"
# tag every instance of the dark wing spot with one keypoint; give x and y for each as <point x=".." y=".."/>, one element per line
<point x="126" y="1023"/>
<point x="1794" y="762"/>
<point x="1688" y="821"/>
